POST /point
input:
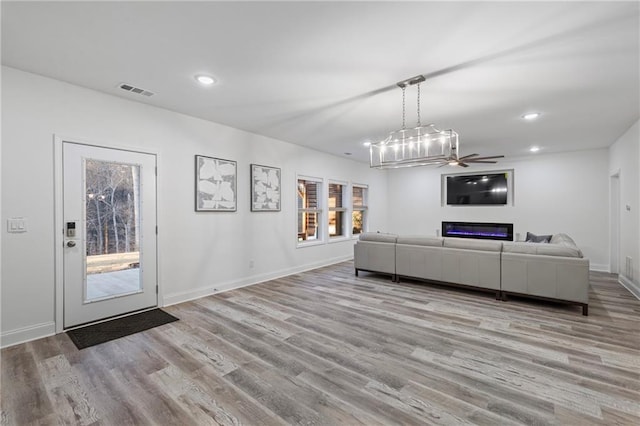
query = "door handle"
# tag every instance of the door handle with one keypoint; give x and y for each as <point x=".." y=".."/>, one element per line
<point x="71" y="243"/>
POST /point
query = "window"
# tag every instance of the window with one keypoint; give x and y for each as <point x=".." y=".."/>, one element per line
<point x="337" y="210"/>
<point x="330" y="212"/>
<point x="359" y="212"/>
<point x="309" y="209"/>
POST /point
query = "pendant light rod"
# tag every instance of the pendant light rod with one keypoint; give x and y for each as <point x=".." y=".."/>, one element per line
<point x="418" y="106"/>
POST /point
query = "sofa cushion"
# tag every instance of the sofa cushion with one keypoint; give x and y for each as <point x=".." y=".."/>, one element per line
<point x="541" y="249"/>
<point x="519" y="247"/>
<point x="559" y="250"/>
<point x="562" y="238"/>
<point x="533" y="238"/>
<point x="378" y="237"/>
<point x="472" y="244"/>
<point x="565" y="241"/>
<point x="420" y="241"/>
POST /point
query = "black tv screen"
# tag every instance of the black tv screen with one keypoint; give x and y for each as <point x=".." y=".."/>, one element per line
<point x="484" y="189"/>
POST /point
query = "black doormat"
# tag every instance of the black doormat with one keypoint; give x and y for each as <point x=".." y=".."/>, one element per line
<point x="110" y="330"/>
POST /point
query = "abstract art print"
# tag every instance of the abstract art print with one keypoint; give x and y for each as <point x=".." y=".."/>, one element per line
<point x="265" y="188"/>
<point x="215" y="184"/>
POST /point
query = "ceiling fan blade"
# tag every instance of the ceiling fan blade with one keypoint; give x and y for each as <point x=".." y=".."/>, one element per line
<point x="487" y="158"/>
<point x="468" y="156"/>
<point x="481" y="161"/>
<point x="463" y="165"/>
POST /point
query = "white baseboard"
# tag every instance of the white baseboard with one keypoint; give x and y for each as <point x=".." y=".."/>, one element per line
<point x="185" y="296"/>
<point x="633" y="288"/>
<point x="26" y="334"/>
<point x="598" y="267"/>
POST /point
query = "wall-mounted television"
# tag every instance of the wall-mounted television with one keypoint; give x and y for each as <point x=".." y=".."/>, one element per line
<point x="480" y="189"/>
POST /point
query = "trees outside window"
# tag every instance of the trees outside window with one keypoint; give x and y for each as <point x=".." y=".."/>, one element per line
<point x="111" y="206"/>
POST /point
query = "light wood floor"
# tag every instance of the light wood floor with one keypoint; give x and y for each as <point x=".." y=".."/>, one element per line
<point x="325" y="347"/>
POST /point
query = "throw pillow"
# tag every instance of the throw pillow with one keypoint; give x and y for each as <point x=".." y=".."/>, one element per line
<point x="533" y="238"/>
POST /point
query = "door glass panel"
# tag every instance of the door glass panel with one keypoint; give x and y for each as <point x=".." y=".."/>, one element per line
<point x="112" y="229"/>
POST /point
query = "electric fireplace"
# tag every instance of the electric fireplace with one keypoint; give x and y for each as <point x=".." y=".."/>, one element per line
<point x="480" y="230"/>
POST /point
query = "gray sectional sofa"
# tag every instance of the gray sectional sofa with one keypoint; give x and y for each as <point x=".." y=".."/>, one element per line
<point x="553" y="271"/>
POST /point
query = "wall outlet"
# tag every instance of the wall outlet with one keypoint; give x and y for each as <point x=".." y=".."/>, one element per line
<point x="628" y="267"/>
<point x="251" y="264"/>
<point x="517" y="236"/>
<point x="437" y="232"/>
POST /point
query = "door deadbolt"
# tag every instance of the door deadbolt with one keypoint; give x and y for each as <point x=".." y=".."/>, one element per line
<point x="71" y="229"/>
<point x="71" y="243"/>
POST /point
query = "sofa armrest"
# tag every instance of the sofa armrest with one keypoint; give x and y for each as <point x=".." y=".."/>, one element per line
<point x="375" y="257"/>
<point x="562" y="278"/>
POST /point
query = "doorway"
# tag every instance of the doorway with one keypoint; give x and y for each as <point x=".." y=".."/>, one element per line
<point x="109" y="264"/>
<point x="614" y="215"/>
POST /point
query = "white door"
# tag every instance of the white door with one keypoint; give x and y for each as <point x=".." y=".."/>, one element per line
<point x="109" y="213"/>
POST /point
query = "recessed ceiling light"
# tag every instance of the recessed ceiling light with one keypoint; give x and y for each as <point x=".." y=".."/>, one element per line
<point x="205" y="80"/>
<point x="534" y="149"/>
<point x="531" y="115"/>
<point x="366" y="143"/>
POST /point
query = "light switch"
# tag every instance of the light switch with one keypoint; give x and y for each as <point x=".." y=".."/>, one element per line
<point x="16" y="225"/>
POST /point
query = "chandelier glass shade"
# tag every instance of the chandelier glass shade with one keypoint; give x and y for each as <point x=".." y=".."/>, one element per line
<point x="415" y="146"/>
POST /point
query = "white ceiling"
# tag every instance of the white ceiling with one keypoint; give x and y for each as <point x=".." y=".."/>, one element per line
<point x="323" y="74"/>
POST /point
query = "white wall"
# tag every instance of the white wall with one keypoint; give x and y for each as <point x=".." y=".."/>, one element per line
<point x="552" y="193"/>
<point x="624" y="156"/>
<point x="197" y="251"/>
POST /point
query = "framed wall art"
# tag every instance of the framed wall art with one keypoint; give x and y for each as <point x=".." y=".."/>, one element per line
<point x="265" y="188"/>
<point x="215" y="184"/>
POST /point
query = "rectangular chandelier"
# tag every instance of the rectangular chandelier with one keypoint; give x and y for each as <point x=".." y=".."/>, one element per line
<point x="418" y="146"/>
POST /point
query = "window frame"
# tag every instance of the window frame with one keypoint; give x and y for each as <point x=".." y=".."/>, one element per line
<point x="346" y="201"/>
<point x="321" y="226"/>
<point x="364" y="208"/>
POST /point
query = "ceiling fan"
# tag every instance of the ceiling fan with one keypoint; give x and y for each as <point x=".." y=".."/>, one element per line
<point x="471" y="158"/>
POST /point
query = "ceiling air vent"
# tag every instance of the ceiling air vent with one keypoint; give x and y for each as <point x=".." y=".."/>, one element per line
<point x="129" y="88"/>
